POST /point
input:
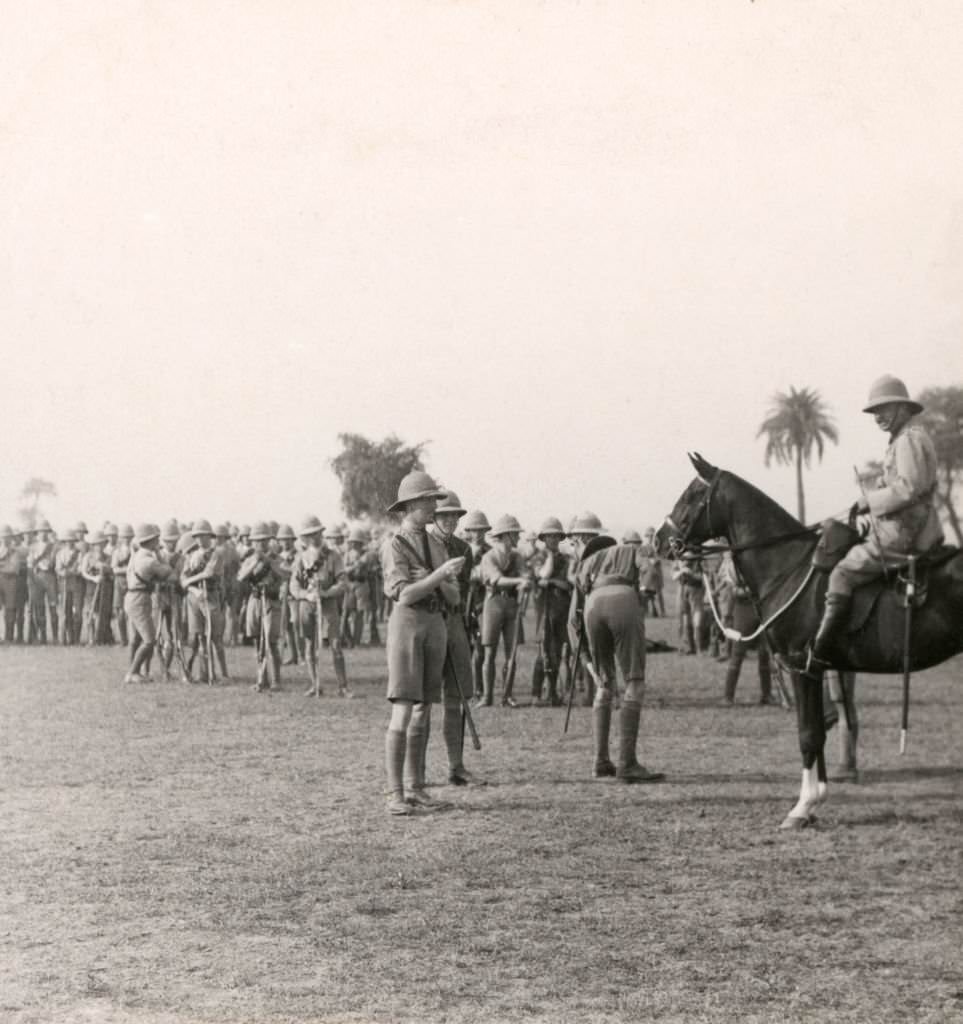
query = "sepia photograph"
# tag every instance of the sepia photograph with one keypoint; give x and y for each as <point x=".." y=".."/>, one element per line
<point x="481" y="512"/>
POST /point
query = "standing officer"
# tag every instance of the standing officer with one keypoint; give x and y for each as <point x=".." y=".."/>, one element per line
<point x="71" y="586"/>
<point x="318" y="577"/>
<point x="902" y="507"/>
<point x="230" y="563"/>
<point x="119" y="560"/>
<point x="202" y="579"/>
<point x="11" y="556"/>
<point x="457" y="672"/>
<point x="607" y="582"/>
<point x="168" y="599"/>
<point x="475" y="527"/>
<point x="421" y="581"/>
<point x="506" y="579"/>
<point x="41" y="560"/>
<point x="264" y="573"/>
<point x="553" y="583"/>
<point x="98" y="591"/>
<point x="145" y="570"/>
<point x="744" y="619"/>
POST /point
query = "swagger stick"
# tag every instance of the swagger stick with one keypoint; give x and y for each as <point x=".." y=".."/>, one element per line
<point x="907" y="632"/>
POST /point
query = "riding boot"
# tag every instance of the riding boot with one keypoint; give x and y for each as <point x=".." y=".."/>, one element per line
<point x="601" y="724"/>
<point x="629" y="769"/>
<point x="538" y="679"/>
<point x="835" y="615"/>
<point x="848" y="770"/>
<point x="477" y="680"/>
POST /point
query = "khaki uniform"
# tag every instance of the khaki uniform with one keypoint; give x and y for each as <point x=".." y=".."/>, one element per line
<point x="71" y="586"/>
<point x="904" y="508"/>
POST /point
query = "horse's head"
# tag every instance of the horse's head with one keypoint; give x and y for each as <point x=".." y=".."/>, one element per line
<point x="696" y="516"/>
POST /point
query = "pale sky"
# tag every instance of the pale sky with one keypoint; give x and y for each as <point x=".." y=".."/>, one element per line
<point x="563" y="242"/>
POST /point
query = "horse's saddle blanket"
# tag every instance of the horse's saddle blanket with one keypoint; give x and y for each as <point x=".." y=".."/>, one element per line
<point x="866" y="597"/>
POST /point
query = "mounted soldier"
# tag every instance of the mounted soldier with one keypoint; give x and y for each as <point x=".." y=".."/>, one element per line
<point x="902" y="508"/>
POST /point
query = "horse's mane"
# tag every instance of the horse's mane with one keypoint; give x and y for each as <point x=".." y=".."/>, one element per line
<point x="762" y="501"/>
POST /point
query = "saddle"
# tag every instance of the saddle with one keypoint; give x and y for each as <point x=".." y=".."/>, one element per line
<point x="836" y="540"/>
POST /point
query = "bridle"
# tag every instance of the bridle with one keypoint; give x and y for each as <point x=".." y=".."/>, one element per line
<point x="679" y="544"/>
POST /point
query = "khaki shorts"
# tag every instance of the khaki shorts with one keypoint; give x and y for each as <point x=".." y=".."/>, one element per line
<point x="458" y="663"/>
<point x="615" y="627"/>
<point x="196" y="620"/>
<point x="498" y="620"/>
<point x="252" y="625"/>
<point x="307" y="615"/>
<point x="139" y="609"/>
<point x="417" y="641"/>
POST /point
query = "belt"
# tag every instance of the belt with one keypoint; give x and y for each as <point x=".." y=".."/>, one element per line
<point x="429" y="604"/>
<point x="138" y="590"/>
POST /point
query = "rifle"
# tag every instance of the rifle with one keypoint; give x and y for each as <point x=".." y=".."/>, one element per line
<point x="571" y="675"/>
<point x="262" y="642"/>
<point x="907" y="630"/>
<point x="92" y="615"/>
<point x="175" y="626"/>
<point x="208" y="635"/>
<point x="508" y="672"/>
<point x="465" y="709"/>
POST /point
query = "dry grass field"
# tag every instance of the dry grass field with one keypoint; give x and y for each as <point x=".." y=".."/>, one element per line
<point x="191" y="854"/>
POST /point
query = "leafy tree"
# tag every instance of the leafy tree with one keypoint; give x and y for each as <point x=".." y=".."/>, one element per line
<point x="943" y="417"/>
<point x="370" y="472"/>
<point x="797" y="423"/>
<point x="33" y="490"/>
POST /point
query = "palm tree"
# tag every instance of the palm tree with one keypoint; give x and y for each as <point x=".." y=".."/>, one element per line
<point x="797" y="423"/>
<point x="33" y="490"/>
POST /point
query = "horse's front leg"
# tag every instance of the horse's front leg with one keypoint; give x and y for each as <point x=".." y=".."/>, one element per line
<point x="808" y="691"/>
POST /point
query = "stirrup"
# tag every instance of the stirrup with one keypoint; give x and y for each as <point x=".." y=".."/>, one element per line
<point x="815" y="666"/>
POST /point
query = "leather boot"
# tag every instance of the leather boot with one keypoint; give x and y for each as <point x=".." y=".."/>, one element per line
<point x="454" y="738"/>
<point x="835" y="615"/>
<point x="538" y="680"/>
<point x="488" y="677"/>
<point x="601" y="723"/>
<point x="552" y="698"/>
<point x="629" y="770"/>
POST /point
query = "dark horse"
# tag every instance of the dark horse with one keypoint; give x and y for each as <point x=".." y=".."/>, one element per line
<point x="773" y="553"/>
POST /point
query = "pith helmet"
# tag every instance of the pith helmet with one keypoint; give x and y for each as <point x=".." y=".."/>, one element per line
<point x="222" y="532"/>
<point x="171" y="530"/>
<point x="285" y="533"/>
<point x="201" y="527"/>
<point x="97" y="537"/>
<point x="476" y="520"/>
<point x="244" y="531"/>
<point x="506" y="524"/>
<point x="261" y="531"/>
<point x="449" y="504"/>
<point x="127" y="531"/>
<point x="887" y="390"/>
<point x="415" y="485"/>
<point x="45" y="524"/>
<point x="585" y="522"/>
<point x="309" y="525"/>
<point x="110" y="530"/>
<point x="357" y="536"/>
<point x="631" y="537"/>
<point x="335" y="533"/>
<point x="187" y="542"/>
<point x="81" y="528"/>
<point x="6" y="532"/>
<point x="146" y="532"/>
<point x="550" y="526"/>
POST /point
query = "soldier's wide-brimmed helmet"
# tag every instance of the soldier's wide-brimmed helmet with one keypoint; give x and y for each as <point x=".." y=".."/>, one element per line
<point x="551" y="527"/>
<point x="127" y="531"/>
<point x="97" y="537"/>
<point x="7" y="532"/>
<point x="273" y="525"/>
<point x="476" y="520"/>
<point x="309" y="526"/>
<point x="450" y="505"/>
<point x="888" y="389"/>
<point x="244" y="531"/>
<point x="415" y="485"/>
<point x="261" y="531"/>
<point x="631" y="537"/>
<point x="81" y="528"/>
<point x="110" y="530"/>
<point x="285" y="532"/>
<point x="334" y="533"/>
<point x="222" y="532"/>
<point x="585" y="522"/>
<point x="45" y="525"/>
<point x="146" y="532"/>
<point x="358" y="536"/>
<point x="506" y="524"/>
<point x="201" y="528"/>
<point x="171" y="530"/>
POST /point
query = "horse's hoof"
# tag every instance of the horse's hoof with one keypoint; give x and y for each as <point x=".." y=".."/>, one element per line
<point x="793" y="824"/>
